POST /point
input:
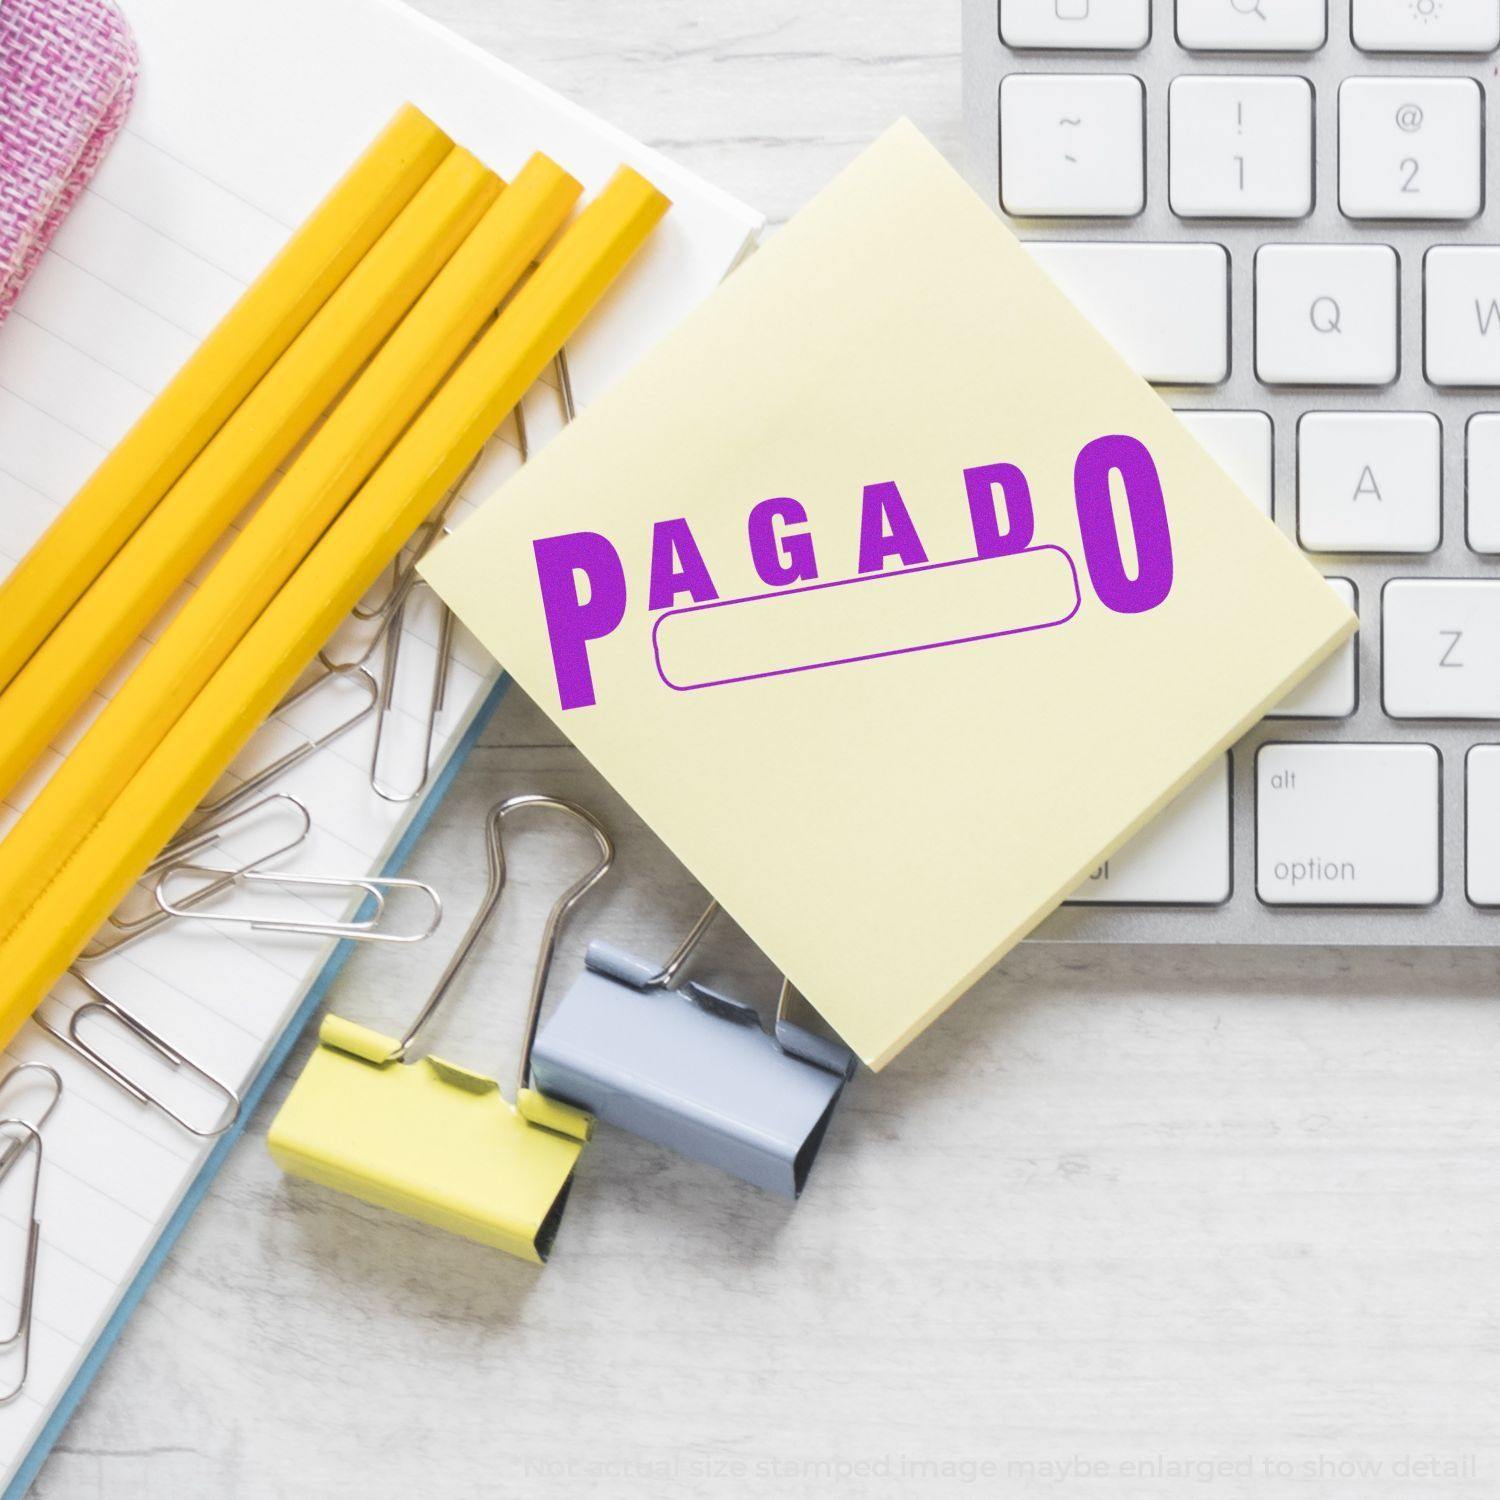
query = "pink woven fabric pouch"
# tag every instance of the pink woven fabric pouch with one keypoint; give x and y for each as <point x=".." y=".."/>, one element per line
<point x="67" y="75"/>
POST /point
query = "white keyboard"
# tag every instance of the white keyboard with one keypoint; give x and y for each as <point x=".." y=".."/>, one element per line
<point x="1280" y="212"/>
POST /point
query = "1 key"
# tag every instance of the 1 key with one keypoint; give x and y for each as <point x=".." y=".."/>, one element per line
<point x="1241" y="148"/>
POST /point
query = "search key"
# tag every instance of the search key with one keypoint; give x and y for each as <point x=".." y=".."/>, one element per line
<point x="1326" y="314"/>
<point x="1252" y="25"/>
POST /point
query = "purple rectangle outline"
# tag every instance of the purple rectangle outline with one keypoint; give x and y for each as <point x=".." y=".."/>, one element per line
<point x="840" y="583"/>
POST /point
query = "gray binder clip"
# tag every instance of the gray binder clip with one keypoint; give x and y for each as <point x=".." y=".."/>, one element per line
<point x="691" y="1068"/>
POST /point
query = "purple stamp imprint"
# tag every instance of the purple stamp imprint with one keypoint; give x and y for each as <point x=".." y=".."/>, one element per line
<point x="1010" y="585"/>
<point x="862" y="618"/>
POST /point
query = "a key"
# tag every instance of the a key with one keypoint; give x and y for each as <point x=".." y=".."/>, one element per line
<point x="1072" y="144"/>
<point x="1101" y="25"/>
<point x="1411" y="148"/>
<point x="1241" y="148"/>
<point x="1347" y="825"/>
<point x="1463" y="315"/>
<point x="1369" y="481"/>
<point x="1326" y="314"/>
<point x="1164" y="307"/>
<point x="1240" y="443"/>
<point x="1182" y="856"/>
<point x="1427" y="25"/>
<point x="1440" y="645"/>
<point x="1251" y="25"/>
<point x="1483" y="468"/>
<point x="1331" y="692"/>
<point x="1482" y="824"/>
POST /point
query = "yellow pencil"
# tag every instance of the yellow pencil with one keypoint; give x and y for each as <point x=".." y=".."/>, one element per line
<point x="266" y="426"/>
<point x="277" y="306"/>
<point x="60" y="917"/>
<point x="340" y="456"/>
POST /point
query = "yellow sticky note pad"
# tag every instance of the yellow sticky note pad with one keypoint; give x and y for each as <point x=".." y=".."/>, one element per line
<point x="888" y="595"/>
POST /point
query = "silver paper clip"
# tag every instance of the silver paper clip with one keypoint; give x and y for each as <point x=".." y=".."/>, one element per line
<point x="125" y="929"/>
<point x="390" y="620"/>
<point x="364" y="927"/>
<point x="436" y="695"/>
<point x="391" y="614"/>
<point x="691" y="1068"/>
<point x="403" y="570"/>
<point x="12" y="1148"/>
<point x="311" y="744"/>
<point x="178" y="1061"/>
<point x="564" y="391"/>
<point x="404" y="577"/>
<point x="26" y="1137"/>
<point x="565" y="385"/>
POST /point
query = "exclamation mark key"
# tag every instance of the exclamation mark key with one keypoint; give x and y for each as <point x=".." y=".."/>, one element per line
<point x="1241" y="147"/>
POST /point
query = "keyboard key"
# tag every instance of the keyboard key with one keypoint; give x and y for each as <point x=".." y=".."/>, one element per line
<point x="1427" y="25"/>
<point x="1463" y="315"/>
<point x="1411" y="148"/>
<point x="1181" y="857"/>
<point x="1326" y="314"/>
<point x="1347" y="825"/>
<point x="1072" y="144"/>
<point x="1164" y="307"/>
<point x="1252" y="25"/>
<point x="1242" y="148"/>
<point x="1332" y="692"/>
<point x="1369" y="481"/>
<point x="1483" y="444"/>
<point x="1482" y="824"/>
<point x="1103" y="25"/>
<point x="1240" y="443"/>
<point x="1440" y="642"/>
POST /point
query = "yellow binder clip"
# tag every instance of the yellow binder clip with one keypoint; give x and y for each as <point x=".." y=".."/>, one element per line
<point x="433" y="1140"/>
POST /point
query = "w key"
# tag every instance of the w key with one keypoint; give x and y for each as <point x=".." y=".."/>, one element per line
<point x="1441" y="647"/>
<point x="1463" y="315"/>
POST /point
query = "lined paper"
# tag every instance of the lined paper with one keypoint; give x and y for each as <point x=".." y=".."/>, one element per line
<point x="198" y="192"/>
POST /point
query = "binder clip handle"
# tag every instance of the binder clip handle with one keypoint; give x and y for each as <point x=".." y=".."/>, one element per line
<point x="561" y="908"/>
<point x="794" y="1036"/>
<point x="666" y="977"/>
<point x="799" y="1040"/>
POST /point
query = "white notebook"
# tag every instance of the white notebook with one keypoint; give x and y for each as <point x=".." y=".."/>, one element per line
<point x="244" y="117"/>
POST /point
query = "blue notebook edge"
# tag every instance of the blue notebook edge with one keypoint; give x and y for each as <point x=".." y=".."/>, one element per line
<point x="63" y="1411"/>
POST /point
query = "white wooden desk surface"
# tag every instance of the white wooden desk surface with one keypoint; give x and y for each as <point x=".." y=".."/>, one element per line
<point x="1119" y="1210"/>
